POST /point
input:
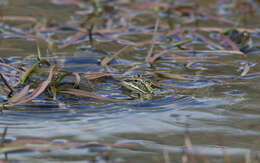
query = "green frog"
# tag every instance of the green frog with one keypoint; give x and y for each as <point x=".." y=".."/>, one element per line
<point x="242" y="39"/>
<point x="139" y="87"/>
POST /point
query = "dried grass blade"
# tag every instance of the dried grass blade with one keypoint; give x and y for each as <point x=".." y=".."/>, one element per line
<point x="140" y="44"/>
<point x="77" y="76"/>
<point x="207" y="41"/>
<point x="246" y="70"/>
<point x="166" y="156"/>
<point x="96" y="75"/>
<point x="45" y="145"/>
<point x="10" y="75"/>
<point x="107" y="60"/>
<point x="40" y="89"/>
<point x="18" y="96"/>
<point x="54" y="92"/>
<point x="173" y="76"/>
<point x="216" y="18"/>
<point x="82" y="93"/>
<point x="204" y="158"/>
<point x="210" y="51"/>
<point x="120" y="39"/>
<point x="104" y="31"/>
<point x="211" y="17"/>
<point x="18" y="18"/>
<point x="11" y="148"/>
<point x="152" y="5"/>
<point x="255" y="30"/>
<point x="248" y="157"/>
<point x="2" y="60"/>
<point x="189" y="64"/>
<point x="225" y="155"/>
<point x="182" y="38"/>
<point x="179" y="43"/>
<point x="109" y="24"/>
<point x="69" y="2"/>
<point x="130" y="70"/>
<point x="6" y="84"/>
<point x="26" y="75"/>
<point x="189" y="146"/>
<point x="10" y="67"/>
<point x="190" y="58"/>
<point x="74" y="38"/>
<point x="156" y="56"/>
<point x="229" y="42"/>
<point x="3" y="136"/>
<point x="153" y="40"/>
<point x="184" y="159"/>
<point x="210" y="29"/>
<point x="172" y="32"/>
<point x="27" y="34"/>
<point x="16" y="84"/>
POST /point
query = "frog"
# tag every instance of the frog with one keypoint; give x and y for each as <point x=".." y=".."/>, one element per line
<point x="241" y="38"/>
<point x="139" y="87"/>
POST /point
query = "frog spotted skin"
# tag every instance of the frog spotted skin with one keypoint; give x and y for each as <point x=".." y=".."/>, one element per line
<point x="139" y="86"/>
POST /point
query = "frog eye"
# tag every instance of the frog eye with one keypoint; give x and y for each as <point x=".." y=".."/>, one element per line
<point x="245" y="34"/>
<point x="153" y="86"/>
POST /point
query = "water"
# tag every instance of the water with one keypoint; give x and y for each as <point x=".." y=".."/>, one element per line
<point x="207" y="100"/>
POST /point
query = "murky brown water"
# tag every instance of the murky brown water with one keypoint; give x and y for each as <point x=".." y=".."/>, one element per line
<point x="215" y="104"/>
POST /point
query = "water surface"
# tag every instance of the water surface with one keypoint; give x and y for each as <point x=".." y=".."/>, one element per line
<point x="213" y="104"/>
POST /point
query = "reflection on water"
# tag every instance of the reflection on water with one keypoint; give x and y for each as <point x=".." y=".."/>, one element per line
<point x="212" y="98"/>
